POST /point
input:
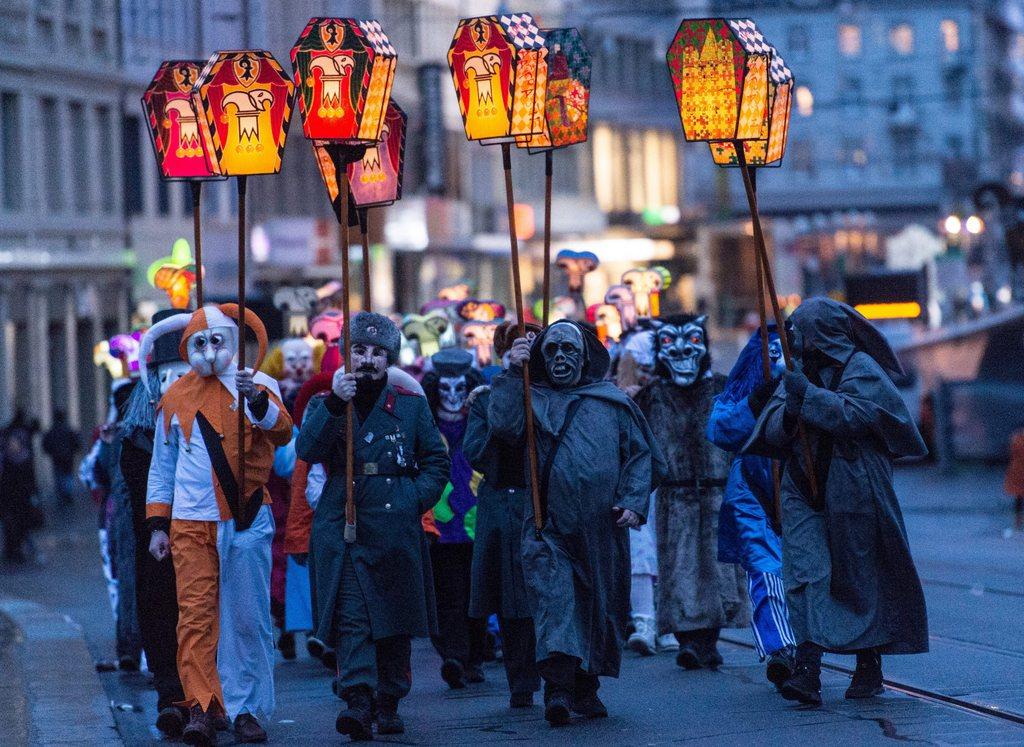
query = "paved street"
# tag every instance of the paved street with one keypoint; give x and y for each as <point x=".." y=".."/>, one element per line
<point x="968" y="559"/>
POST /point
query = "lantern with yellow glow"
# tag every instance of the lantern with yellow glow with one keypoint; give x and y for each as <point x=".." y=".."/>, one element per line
<point x="344" y="69"/>
<point x="173" y="124"/>
<point x="244" y="103"/>
<point x="499" y="68"/>
<point x="719" y="69"/>
<point x="769" y="151"/>
<point x="567" y="100"/>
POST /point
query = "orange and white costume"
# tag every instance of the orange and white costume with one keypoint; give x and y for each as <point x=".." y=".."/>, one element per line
<point x="220" y="536"/>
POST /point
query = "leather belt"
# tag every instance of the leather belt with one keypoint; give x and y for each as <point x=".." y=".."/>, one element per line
<point x="376" y="469"/>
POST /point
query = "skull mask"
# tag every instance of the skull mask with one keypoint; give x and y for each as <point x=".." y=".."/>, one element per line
<point x="682" y="351"/>
<point x="452" y="391"/>
<point x="210" y="351"/>
<point x="563" y="353"/>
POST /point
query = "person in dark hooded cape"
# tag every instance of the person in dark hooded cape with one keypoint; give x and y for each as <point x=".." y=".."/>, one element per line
<point x="598" y="462"/>
<point x="850" y="580"/>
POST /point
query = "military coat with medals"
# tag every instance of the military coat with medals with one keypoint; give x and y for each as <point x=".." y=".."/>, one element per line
<point x="401" y="467"/>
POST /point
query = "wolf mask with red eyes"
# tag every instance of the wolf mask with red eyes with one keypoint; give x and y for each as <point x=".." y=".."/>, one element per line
<point x="681" y="347"/>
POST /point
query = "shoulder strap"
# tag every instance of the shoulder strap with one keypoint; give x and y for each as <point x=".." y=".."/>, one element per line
<point x="242" y="514"/>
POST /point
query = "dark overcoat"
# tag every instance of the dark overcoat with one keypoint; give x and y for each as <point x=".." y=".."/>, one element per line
<point x="390" y="554"/>
<point x="501" y="510"/>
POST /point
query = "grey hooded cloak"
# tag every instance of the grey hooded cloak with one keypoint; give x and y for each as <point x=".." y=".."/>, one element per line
<point x="850" y="581"/>
<point x="577" y="571"/>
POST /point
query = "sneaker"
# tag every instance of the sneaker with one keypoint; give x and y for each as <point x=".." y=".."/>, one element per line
<point x="557" y="709"/>
<point x="199" y="730"/>
<point x="667" y="642"/>
<point x="804" y="686"/>
<point x="387" y="718"/>
<point x="780" y="666"/>
<point x="315" y="647"/>
<point x="248" y="730"/>
<point x="643" y="640"/>
<point x="867" y="677"/>
<point x="453" y="674"/>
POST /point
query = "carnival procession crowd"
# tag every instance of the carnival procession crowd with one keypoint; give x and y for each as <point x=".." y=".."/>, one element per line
<point x="656" y="478"/>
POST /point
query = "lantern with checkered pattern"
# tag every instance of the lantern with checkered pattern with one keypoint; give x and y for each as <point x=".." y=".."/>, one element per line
<point x="770" y="150"/>
<point x="719" y="68"/>
<point x="567" y="101"/>
<point x="244" y="103"/>
<point x="344" y="69"/>
<point x="499" y="68"/>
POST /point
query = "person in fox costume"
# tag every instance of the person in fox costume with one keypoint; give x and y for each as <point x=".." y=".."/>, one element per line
<point x="217" y="532"/>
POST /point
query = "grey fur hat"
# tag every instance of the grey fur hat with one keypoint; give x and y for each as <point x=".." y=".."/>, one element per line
<point x="370" y="328"/>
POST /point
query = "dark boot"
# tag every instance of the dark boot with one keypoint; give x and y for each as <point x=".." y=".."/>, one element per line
<point x="688" y="656"/>
<point x="171" y="721"/>
<point x="867" y="677"/>
<point x="780" y="666"/>
<point x="453" y="673"/>
<point x="330" y="660"/>
<point x="388" y="720"/>
<point x="474" y="674"/>
<point x="559" y="673"/>
<point x="557" y="706"/>
<point x="707" y="646"/>
<point x="200" y="729"/>
<point x="805" y="684"/>
<point x="356" y="720"/>
<point x="520" y="700"/>
<point x="585" y="701"/>
<point x="248" y="730"/>
<point x="286" y="645"/>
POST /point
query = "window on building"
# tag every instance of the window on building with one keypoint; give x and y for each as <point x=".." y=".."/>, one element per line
<point x="954" y="83"/>
<point x="73" y="35"/>
<point x="955" y="145"/>
<point x="905" y="157"/>
<point x="799" y="40"/>
<point x="99" y="42"/>
<point x="850" y="41"/>
<point x="131" y="164"/>
<point x="80" y="162"/>
<point x="901" y="39"/>
<point x="904" y="89"/>
<point x="804" y="101"/>
<point x="105" y="156"/>
<point x="634" y="170"/>
<point x="851" y="91"/>
<point x="853" y="154"/>
<point x="950" y="31"/>
<point x="10" y="150"/>
<point x="803" y="157"/>
<point x="53" y="147"/>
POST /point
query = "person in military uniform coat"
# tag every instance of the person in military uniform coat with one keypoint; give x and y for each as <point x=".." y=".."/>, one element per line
<point x="371" y="596"/>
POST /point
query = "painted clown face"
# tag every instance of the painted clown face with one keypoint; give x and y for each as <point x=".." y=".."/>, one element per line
<point x="681" y="351"/>
<point x="210" y="351"/>
<point x="563" y="355"/>
<point x="171" y="372"/>
<point x="297" y="357"/>
<point x="452" y="391"/>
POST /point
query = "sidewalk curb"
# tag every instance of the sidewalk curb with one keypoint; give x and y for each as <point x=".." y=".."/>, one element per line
<point x="66" y="700"/>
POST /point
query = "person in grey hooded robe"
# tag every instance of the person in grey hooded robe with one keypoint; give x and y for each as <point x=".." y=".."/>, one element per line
<point x="851" y="583"/>
<point x="598" y="463"/>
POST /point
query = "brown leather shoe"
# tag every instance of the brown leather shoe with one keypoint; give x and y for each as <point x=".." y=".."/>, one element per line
<point x="248" y="729"/>
<point x="200" y="730"/>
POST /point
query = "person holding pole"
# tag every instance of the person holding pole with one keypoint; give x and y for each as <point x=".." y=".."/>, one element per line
<point x="373" y="592"/>
<point x="598" y="464"/>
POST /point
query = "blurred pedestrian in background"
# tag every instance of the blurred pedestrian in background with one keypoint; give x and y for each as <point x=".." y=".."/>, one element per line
<point x="61" y="443"/>
<point x="18" y="510"/>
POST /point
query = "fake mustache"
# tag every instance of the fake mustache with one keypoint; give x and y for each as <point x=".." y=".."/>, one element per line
<point x="366" y="368"/>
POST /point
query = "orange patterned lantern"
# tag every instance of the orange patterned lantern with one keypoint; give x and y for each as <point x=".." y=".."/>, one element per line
<point x="173" y="124"/>
<point x="767" y="152"/>
<point x="344" y="69"/>
<point x="719" y="69"/>
<point x="499" y="69"/>
<point x="567" y="101"/>
<point x="244" y="102"/>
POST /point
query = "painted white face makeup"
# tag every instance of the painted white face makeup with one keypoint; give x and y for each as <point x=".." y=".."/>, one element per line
<point x="171" y="372"/>
<point x="369" y="361"/>
<point x="211" y="351"/>
<point x="298" y="360"/>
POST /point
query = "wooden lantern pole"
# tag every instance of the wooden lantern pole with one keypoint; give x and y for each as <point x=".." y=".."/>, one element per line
<point x="197" y="238"/>
<point x="241" y="336"/>
<point x="364" y="231"/>
<point x="549" y="157"/>
<point x="769" y="279"/>
<point x="341" y="174"/>
<point x="517" y="289"/>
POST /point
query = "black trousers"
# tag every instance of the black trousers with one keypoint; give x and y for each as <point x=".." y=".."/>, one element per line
<point x="157" y="606"/>
<point x="460" y="636"/>
<point x="562" y="673"/>
<point x="519" y="648"/>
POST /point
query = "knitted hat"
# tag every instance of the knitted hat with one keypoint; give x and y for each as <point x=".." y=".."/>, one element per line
<point x="370" y="328"/>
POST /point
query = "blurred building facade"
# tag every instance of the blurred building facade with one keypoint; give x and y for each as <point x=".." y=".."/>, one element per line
<point x="901" y="110"/>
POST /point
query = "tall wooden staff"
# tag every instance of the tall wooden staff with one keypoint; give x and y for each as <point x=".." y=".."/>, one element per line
<point x="180" y="151"/>
<point x="343" y="107"/>
<point x="499" y="70"/>
<point x="243" y="103"/>
<point x="562" y="120"/>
